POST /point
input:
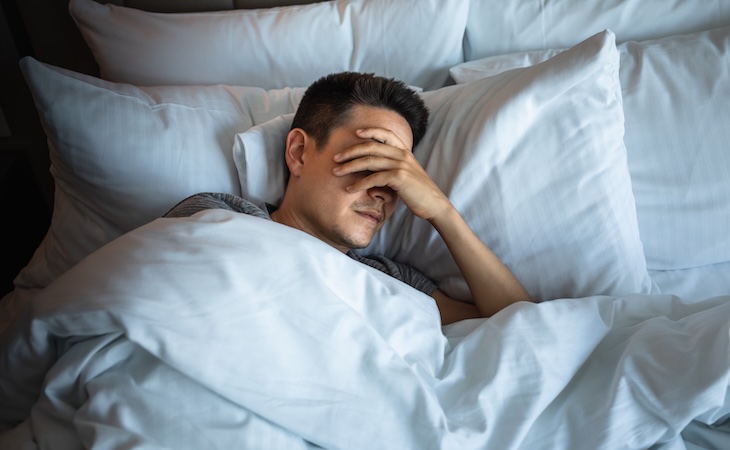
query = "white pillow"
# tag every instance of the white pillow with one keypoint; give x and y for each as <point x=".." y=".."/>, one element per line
<point x="504" y="26"/>
<point x="676" y="95"/>
<point x="534" y="160"/>
<point x="259" y="157"/>
<point x="123" y="155"/>
<point x="415" y="41"/>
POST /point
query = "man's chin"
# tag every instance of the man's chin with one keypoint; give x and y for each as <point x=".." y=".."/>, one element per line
<point x="358" y="246"/>
<point x="358" y="243"/>
<point x="354" y="239"/>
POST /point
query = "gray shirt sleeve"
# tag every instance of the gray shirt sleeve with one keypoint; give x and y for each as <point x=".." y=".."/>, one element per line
<point x="214" y="200"/>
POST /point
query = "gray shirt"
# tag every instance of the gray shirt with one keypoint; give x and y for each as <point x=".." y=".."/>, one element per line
<point x="212" y="200"/>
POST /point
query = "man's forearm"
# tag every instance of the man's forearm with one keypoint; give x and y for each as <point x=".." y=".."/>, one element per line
<point x="491" y="283"/>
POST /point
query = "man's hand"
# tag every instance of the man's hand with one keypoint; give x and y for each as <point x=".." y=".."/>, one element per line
<point x="389" y="163"/>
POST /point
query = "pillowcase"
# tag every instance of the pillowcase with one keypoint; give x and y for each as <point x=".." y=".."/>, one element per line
<point x="123" y="155"/>
<point x="505" y="26"/>
<point x="675" y="94"/>
<point x="415" y="41"/>
<point x="259" y="158"/>
<point x="533" y="159"/>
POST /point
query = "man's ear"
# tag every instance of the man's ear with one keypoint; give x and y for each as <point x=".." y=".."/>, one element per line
<point x="295" y="143"/>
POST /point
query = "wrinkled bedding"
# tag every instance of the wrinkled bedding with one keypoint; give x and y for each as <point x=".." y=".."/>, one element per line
<point x="227" y="331"/>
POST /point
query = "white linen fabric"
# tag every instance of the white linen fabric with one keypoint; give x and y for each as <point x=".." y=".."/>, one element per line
<point x="330" y="352"/>
<point x="258" y="154"/>
<point x="535" y="162"/>
<point x="415" y="41"/>
<point x="694" y="283"/>
<point x="123" y="155"/>
<point x="497" y="27"/>
<point x="494" y="65"/>
<point x="675" y="95"/>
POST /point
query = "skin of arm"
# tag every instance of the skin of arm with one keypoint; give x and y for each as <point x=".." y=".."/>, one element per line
<point x="390" y="164"/>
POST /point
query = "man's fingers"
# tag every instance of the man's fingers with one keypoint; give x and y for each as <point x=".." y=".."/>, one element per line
<point x="375" y="179"/>
<point x="369" y="163"/>
<point x="382" y="136"/>
<point x="369" y="148"/>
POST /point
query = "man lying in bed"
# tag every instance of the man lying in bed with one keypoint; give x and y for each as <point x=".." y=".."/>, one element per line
<point x="350" y="159"/>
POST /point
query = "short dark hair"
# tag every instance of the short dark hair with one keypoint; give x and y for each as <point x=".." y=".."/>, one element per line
<point x="327" y="103"/>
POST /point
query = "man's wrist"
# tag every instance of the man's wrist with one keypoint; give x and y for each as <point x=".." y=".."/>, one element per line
<point x="446" y="215"/>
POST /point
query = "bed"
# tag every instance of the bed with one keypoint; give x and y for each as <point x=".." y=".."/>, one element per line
<point x="585" y="142"/>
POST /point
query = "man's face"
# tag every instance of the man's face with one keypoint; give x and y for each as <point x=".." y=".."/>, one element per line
<point x="324" y="207"/>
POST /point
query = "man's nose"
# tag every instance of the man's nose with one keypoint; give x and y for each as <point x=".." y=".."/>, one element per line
<point x="384" y="193"/>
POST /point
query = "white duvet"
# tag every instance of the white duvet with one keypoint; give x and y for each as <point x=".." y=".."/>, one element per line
<point x="228" y="331"/>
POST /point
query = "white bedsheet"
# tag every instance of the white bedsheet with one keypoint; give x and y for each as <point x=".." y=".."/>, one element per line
<point x="228" y="331"/>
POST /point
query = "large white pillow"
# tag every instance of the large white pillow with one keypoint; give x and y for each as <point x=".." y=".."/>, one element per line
<point x="123" y="155"/>
<point x="676" y="94"/>
<point x="535" y="162"/>
<point x="413" y="40"/>
<point x="504" y="26"/>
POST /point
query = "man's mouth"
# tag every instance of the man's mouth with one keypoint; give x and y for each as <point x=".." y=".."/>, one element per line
<point x="373" y="216"/>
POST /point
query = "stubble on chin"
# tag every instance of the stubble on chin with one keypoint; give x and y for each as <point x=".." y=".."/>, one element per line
<point x="350" y="241"/>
